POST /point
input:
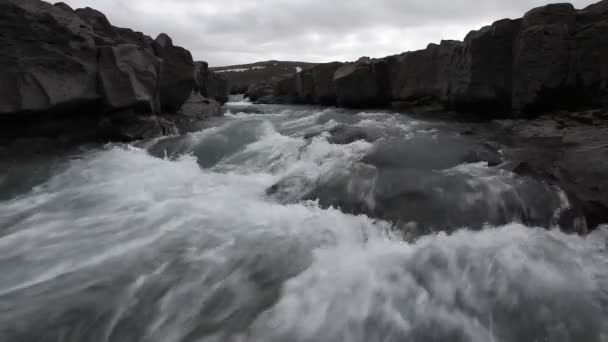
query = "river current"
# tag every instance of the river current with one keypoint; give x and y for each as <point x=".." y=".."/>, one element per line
<point x="286" y="223"/>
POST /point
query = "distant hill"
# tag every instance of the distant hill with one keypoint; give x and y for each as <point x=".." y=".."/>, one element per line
<point x="241" y="76"/>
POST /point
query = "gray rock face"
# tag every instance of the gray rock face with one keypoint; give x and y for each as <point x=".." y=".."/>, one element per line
<point x="542" y="56"/>
<point x="129" y="78"/>
<point x="259" y="91"/>
<point x="99" y="23"/>
<point x="35" y="76"/>
<point x="589" y="55"/>
<point x="311" y="86"/>
<point x="177" y="75"/>
<point x="361" y="84"/>
<point x="324" y="89"/>
<point x="209" y="83"/>
<point x="482" y="81"/>
<point x="423" y="76"/>
<point x="556" y="57"/>
<point x="200" y="107"/>
<point x="58" y="62"/>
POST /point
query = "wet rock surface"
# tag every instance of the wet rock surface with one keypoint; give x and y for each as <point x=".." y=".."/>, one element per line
<point x="568" y="149"/>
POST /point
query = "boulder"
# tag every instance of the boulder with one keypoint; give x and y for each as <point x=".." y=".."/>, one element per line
<point x="177" y="74"/>
<point x="129" y="78"/>
<point x="200" y="107"/>
<point x="48" y="59"/>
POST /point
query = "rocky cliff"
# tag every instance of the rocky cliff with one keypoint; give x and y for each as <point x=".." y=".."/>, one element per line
<point x="71" y="73"/>
<point x="555" y="57"/>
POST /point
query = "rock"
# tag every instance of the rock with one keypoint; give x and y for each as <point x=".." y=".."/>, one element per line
<point x="304" y="86"/>
<point x="177" y="74"/>
<point x="257" y="91"/>
<point x="99" y="23"/>
<point x="422" y="77"/>
<point x="71" y="75"/>
<point x="200" y="107"/>
<point x="554" y="58"/>
<point x="285" y="90"/>
<point x="589" y="56"/>
<point x="345" y="134"/>
<point x="360" y="84"/>
<point x="482" y="82"/>
<point x="64" y="6"/>
<point x="324" y="89"/>
<point x="128" y="126"/>
<point x="47" y="59"/>
<point x="209" y="83"/>
<point x="541" y="64"/>
<point x="129" y="78"/>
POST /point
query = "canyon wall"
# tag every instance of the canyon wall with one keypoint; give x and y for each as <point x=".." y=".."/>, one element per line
<point x="71" y="70"/>
<point x="555" y="57"/>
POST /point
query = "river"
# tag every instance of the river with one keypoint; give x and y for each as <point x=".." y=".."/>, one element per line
<point x="287" y="223"/>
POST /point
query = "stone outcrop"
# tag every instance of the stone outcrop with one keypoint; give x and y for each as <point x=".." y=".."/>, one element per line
<point x="60" y="70"/>
<point x="424" y="76"/>
<point x="177" y="76"/>
<point x="324" y="88"/>
<point x="128" y="78"/>
<point x="209" y="83"/>
<point x="56" y="62"/>
<point x="315" y="85"/>
<point x="199" y="107"/>
<point x="555" y="57"/>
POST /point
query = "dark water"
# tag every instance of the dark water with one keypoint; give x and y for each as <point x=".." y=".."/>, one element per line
<point x="253" y="231"/>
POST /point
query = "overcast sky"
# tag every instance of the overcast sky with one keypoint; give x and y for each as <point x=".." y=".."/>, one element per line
<point x="226" y="32"/>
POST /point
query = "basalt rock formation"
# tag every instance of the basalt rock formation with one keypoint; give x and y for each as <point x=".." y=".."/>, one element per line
<point x="555" y="57"/>
<point x="68" y="73"/>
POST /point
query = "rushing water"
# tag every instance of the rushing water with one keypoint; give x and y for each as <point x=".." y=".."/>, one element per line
<point x="251" y="230"/>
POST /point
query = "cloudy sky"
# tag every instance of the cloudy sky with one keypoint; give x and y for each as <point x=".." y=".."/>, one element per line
<point x="226" y="32"/>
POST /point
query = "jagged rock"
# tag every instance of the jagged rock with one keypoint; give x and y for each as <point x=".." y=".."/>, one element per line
<point x="47" y="58"/>
<point x="346" y="134"/>
<point x="64" y="6"/>
<point x="257" y="91"/>
<point x="200" y="107"/>
<point x="70" y="74"/>
<point x="554" y="58"/>
<point x="324" y="89"/>
<point x="589" y="56"/>
<point x="99" y="23"/>
<point x="541" y="64"/>
<point x="304" y="86"/>
<point x="129" y="78"/>
<point x="285" y="90"/>
<point x="362" y="84"/>
<point x="209" y="83"/>
<point x="482" y="82"/>
<point x="423" y="76"/>
<point x="177" y="74"/>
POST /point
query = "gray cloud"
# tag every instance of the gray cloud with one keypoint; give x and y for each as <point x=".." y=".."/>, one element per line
<point x="225" y="32"/>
